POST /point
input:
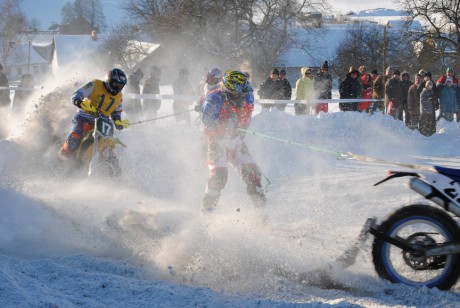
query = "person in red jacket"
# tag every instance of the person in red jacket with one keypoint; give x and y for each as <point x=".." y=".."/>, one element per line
<point x="367" y="93"/>
<point x="449" y="73"/>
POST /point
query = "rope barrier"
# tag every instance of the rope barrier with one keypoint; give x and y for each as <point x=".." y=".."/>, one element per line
<point x="310" y="102"/>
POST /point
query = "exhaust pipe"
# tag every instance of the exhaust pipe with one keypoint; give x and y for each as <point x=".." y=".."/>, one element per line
<point x="430" y="193"/>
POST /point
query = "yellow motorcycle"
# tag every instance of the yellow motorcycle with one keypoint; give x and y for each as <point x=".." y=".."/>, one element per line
<point x="97" y="149"/>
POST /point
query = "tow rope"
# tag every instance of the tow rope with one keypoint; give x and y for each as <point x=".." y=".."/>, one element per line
<point x="338" y="154"/>
<point x="159" y="118"/>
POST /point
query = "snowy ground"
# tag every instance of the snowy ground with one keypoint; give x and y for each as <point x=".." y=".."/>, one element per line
<point x="141" y="240"/>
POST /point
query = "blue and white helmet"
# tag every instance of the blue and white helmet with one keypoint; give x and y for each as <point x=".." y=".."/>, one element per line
<point x="115" y="81"/>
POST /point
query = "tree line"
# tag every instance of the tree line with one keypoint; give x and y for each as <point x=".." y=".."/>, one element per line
<point x="252" y="34"/>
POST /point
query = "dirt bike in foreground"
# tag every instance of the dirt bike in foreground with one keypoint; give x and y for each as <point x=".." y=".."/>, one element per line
<point x="419" y="244"/>
<point x="95" y="155"/>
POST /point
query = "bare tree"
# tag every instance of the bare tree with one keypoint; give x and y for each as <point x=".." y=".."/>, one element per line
<point x="12" y="19"/>
<point x="443" y="20"/>
<point x="123" y="47"/>
<point x="249" y="34"/>
<point x="363" y="45"/>
<point x="89" y="10"/>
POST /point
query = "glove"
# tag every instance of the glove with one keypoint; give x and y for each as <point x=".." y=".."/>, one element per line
<point x="121" y="124"/>
<point x="88" y="108"/>
<point x="77" y="103"/>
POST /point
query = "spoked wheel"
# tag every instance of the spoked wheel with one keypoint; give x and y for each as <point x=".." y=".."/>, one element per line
<point x="423" y="226"/>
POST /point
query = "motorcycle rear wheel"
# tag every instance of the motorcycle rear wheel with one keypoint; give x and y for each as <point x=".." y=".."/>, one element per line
<point x="424" y="226"/>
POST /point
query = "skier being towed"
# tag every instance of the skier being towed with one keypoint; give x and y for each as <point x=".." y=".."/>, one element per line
<point x="225" y="110"/>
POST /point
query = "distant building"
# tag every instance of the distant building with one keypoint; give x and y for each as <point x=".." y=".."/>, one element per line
<point x="30" y="52"/>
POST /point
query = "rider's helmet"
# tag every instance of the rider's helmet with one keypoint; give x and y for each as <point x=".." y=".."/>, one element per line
<point x="115" y="81"/>
<point x="235" y="86"/>
<point x="213" y="76"/>
<point x="235" y="81"/>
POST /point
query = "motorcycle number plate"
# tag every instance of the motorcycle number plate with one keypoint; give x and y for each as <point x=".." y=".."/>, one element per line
<point x="104" y="127"/>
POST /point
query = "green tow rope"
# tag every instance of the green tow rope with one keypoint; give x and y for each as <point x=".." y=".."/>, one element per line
<point x="339" y="155"/>
<point x="342" y="155"/>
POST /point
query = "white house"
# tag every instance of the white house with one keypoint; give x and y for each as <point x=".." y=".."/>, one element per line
<point x="24" y="59"/>
<point x="30" y="52"/>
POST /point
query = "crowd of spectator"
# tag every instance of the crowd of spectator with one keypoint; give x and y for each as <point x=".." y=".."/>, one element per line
<point x="414" y="102"/>
<point x="419" y="102"/>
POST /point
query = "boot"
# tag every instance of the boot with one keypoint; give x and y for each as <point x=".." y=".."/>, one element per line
<point x="64" y="156"/>
<point x="257" y="195"/>
<point x="210" y="200"/>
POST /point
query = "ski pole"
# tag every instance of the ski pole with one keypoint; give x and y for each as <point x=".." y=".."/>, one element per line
<point x="159" y="118"/>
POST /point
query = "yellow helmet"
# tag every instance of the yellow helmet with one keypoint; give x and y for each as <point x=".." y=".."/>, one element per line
<point x="235" y="81"/>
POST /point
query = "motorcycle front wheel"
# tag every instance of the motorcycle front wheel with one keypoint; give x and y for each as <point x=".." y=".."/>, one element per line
<point x="423" y="226"/>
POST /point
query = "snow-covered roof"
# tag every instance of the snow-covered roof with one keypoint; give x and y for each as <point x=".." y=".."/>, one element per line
<point x="138" y="51"/>
<point x="146" y="47"/>
<point x="42" y="38"/>
<point x="19" y="55"/>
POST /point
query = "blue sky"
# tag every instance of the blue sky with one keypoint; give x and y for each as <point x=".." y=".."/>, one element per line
<point x="49" y="11"/>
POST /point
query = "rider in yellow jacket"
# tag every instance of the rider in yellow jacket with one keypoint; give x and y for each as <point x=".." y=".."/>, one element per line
<point x="96" y="98"/>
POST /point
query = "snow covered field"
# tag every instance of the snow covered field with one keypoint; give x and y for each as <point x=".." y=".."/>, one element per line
<point x="141" y="241"/>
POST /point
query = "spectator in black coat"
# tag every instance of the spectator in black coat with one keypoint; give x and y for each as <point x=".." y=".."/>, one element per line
<point x="270" y="88"/>
<point x="286" y="90"/>
<point x="406" y="83"/>
<point x="152" y="86"/>
<point x="350" y="88"/>
<point x="395" y="95"/>
<point x="133" y="106"/>
<point x="323" y="87"/>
